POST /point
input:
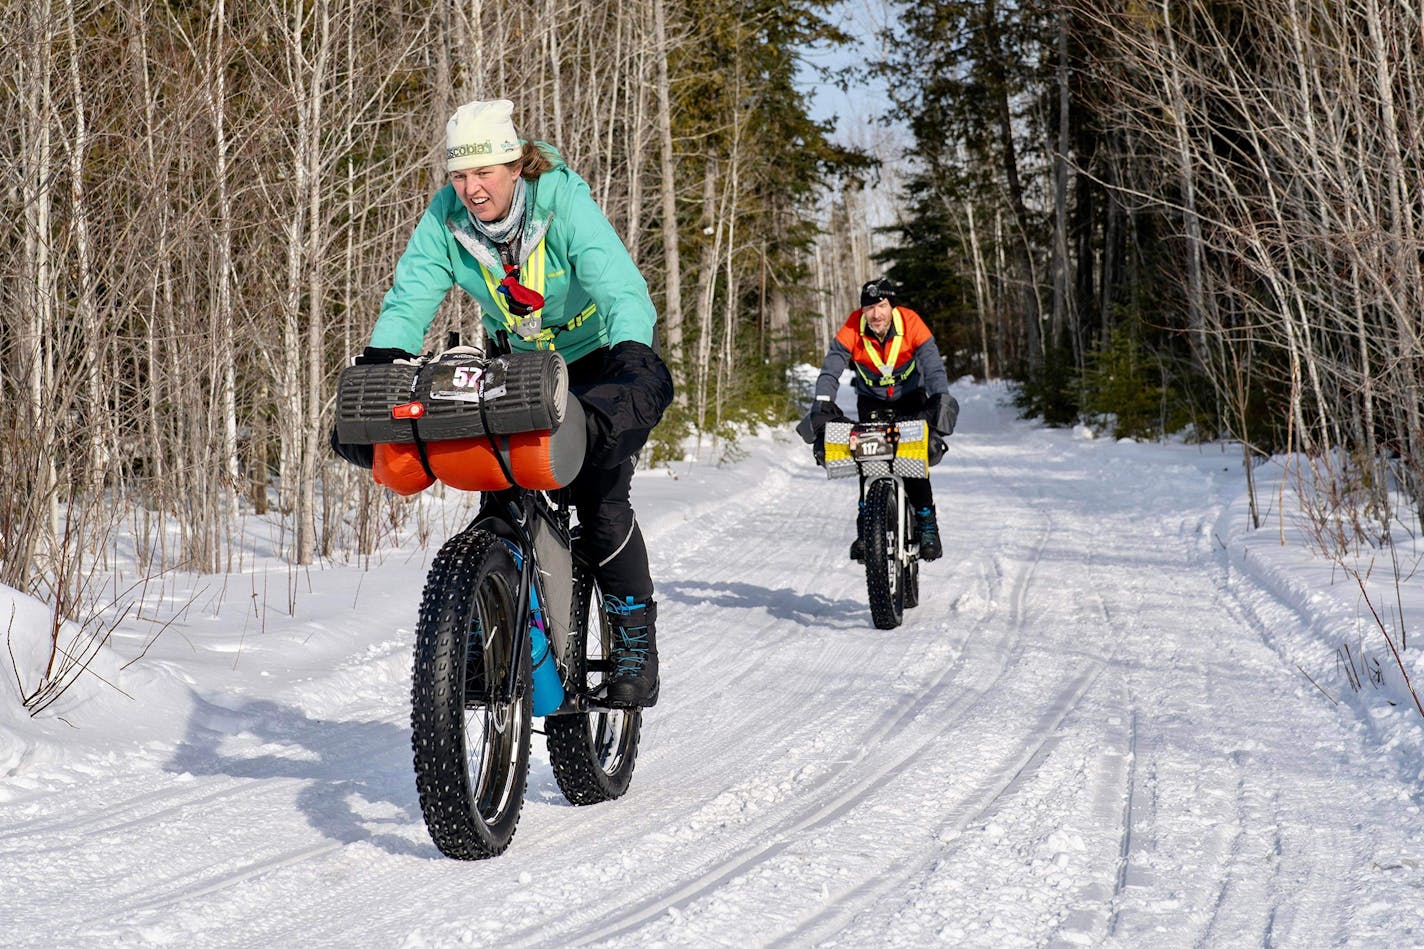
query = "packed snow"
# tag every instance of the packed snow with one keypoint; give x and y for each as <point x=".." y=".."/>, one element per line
<point x="1117" y="717"/>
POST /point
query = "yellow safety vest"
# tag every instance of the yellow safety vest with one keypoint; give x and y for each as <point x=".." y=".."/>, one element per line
<point x="534" y="267"/>
<point x="885" y="364"/>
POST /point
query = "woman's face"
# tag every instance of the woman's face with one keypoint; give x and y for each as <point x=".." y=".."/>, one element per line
<point x="486" y="192"/>
<point x="877" y="316"/>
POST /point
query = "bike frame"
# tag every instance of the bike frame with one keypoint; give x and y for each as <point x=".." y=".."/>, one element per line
<point x="904" y="553"/>
<point x="906" y="550"/>
<point x="511" y="517"/>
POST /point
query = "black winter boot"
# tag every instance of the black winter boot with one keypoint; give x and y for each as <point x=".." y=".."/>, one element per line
<point x="633" y="681"/>
<point x="930" y="548"/>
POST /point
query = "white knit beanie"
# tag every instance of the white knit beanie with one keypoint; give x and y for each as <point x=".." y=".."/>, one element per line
<point x="480" y="134"/>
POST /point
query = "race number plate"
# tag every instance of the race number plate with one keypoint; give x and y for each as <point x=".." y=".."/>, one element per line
<point x="870" y="446"/>
<point x="455" y="383"/>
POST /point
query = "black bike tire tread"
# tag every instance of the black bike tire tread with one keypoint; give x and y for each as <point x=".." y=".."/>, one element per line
<point x="437" y="708"/>
<point x="570" y="737"/>
<point x="880" y="510"/>
<point x="576" y="769"/>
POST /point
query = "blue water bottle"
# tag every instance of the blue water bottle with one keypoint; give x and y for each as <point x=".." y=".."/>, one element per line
<point x="548" y="690"/>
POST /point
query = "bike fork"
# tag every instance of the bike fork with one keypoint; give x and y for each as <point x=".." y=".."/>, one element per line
<point x="530" y="633"/>
<point x="523" y="616"/>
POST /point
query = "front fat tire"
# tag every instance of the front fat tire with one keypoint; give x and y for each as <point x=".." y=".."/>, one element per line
<point x="471" y="751"/>
<point x="592" y="753"/>
<point x="883" y="573"/>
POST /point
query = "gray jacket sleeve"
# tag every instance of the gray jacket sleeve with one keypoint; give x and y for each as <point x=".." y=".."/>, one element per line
<point x="828" y="383"/>
<point x="931" y="365"/>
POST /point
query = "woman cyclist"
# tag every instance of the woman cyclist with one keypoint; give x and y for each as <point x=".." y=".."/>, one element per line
<point x="519" y="232"/>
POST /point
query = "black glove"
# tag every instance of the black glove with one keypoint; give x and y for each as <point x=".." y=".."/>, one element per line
<point x="380" y="355"/>
<point x="941" y="412"/>
<point x="627" y="401"/>
<point x="362" y="456"/>
<point x="812" y="428"/>
<point x="930" y="413"/>
<point x="936" y="449"/>
<point x="828" y="411"/>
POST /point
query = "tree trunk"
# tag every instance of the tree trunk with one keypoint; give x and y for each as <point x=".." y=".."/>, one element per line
<point x="672" y="257"/>
<point x="312" y="396"/>
<point x="1062" y="304"/>
<point x="706" y="283"/>
<point x="1008" y="158"/>
<point x="981" y="295"/>
<point x="1196" y="305"/>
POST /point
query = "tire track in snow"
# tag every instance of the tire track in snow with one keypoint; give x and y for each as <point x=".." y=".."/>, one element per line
<point x="45" y="826"/>
<point x="992" y="789"/>
<point x="1273" y="903"/>
<point x="898" y="885"/>
<point x="102" y="824"/>
<point x="835" y="793"/>
<point x="1117" y="799"/>
<point x="1131" y="809"/>
<point x="175" y="892"/>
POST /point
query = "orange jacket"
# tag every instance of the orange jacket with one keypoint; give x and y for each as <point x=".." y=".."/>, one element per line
<point x="905" y="361"/>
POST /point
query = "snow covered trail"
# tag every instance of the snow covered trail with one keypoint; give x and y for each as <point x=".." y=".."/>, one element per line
<point x="1088" y="733"/>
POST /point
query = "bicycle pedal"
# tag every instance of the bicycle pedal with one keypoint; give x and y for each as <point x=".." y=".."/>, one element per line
<point x="597" y="701"/>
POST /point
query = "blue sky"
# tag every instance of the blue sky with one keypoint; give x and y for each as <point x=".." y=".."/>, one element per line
<point x="857" y="109"/>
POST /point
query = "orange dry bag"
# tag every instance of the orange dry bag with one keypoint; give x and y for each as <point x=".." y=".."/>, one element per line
<point x="541" y="460"/>
<point x="398" y="467"/>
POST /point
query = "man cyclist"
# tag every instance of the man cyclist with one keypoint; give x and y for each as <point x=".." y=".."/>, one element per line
<point x="898" y="365"/>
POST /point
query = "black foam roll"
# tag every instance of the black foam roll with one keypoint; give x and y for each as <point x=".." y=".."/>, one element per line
<point x="364" y="396"/>
<point x="520" y="392"/>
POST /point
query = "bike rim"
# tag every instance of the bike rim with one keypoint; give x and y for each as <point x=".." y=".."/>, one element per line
<point x="493" y="728"/>
<point x="607" y="728"/>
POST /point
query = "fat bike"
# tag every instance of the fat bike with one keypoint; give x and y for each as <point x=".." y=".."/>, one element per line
<point x="511" y="625"/>
<point x="490" y="654"/>
<point x="883" y="452"/>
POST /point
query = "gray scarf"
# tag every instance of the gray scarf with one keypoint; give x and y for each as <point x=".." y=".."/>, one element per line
<point x="508" y="226"/>
<point x="513" y="230"/>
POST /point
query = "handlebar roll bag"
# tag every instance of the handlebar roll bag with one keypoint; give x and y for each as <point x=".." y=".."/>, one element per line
<point x="540" y="430"/>
<point x="459" y="396"/>
<point x="911" y="458"/>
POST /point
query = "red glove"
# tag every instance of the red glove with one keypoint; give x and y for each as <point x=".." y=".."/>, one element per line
<point x="522" y="300"/>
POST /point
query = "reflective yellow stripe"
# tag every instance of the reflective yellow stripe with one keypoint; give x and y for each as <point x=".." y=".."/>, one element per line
<point x="582" y="318"/>
<point x="886" y="366"/>
<point x="534" y="268"/>
<point x="531" y="275"/>
<point x="547" y="335"/>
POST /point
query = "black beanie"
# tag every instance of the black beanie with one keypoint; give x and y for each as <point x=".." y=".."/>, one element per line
<point x="876" y="290"/>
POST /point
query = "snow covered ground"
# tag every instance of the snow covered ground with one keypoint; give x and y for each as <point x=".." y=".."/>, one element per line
<point x="1116" y="718"/>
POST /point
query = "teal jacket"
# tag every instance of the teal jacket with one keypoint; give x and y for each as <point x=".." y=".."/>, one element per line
<point x="593" y="293"/>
